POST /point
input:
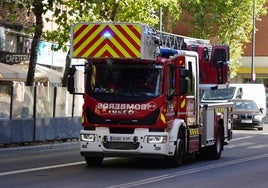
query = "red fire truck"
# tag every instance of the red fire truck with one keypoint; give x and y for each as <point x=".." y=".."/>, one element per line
<point x="142" y="93"/>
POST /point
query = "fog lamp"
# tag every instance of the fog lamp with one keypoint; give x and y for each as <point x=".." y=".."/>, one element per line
<point x="88" y="137"/>
<point x="156" y="139"/>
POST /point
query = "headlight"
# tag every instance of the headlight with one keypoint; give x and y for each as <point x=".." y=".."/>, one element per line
<point x="88" y="137"/>
<point x="259" y="117"/>
<point x="235" y="116"/>
<point x="155" y="139"/>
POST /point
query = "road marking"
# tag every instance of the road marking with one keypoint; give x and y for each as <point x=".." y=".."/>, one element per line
<point x="185" y="172"/>
<point x="250" y="145"/>
<point x="240" y="138"/>
<point x="258" y="146"/>
<point x="239" y="145"/>
<point x="43" y="168"/>
<point x="233" y="145"/>
<point x="40" y="168"/>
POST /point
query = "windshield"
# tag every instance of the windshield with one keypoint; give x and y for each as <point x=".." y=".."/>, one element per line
<point x="219" y="94"/>
<point x="245" y="105"/>
<point x="125" y="79"/>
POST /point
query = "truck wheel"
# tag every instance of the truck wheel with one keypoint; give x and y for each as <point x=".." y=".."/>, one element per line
<point x="216" y="149"/>
<point x="94" y="161"/>
<point x="178" y="157"/>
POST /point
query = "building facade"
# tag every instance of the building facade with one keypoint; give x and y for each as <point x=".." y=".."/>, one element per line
<point x="14" y="41"/>
<point x="15" y="45"/>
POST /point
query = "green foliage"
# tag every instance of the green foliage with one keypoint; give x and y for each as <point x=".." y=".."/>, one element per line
<point x="13" y="11"/>
<point x="230" y="21"/>
<point x="143" y="11"/>
<point x="66" y="13"/>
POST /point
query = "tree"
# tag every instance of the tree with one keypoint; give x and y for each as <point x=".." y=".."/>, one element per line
<point x="229" y="21"/>
<point x="106" y="10"/>
<point x="38" y="12"/>
<point x="39" y="8"/>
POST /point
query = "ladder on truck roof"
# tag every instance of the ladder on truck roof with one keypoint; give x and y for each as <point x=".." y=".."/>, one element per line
<point x="176" y="42"/>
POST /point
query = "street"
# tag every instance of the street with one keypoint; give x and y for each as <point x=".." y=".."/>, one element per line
<point x="244" y="163"/>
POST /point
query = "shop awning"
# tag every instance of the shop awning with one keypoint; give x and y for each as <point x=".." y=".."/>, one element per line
<point x="10" y="72"/>
<point x="18" y="72"/>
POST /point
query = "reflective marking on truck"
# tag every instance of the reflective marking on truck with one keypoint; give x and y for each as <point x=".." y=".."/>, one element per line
<point x="106" y="40"/>
<point x="183" y="102"/>
<point x="93" y="80"/>
<point x="193" y="132"/>
<point x="83" y="119"/>
<point x="219" y="110"/>
<point x="163" y="118"/>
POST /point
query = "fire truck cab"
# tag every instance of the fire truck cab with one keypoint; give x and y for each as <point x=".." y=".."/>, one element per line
<point x="142" y="94"/>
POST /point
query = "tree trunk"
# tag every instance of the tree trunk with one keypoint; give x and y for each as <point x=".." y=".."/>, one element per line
<point x="38" y="11"/>
<point x="66" y="70"/>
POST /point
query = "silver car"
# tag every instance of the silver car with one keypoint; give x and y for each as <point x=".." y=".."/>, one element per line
<point x="246" y="114"/>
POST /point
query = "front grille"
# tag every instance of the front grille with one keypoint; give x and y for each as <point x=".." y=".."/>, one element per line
<point x="122" y="130"/>
<point x="148" y="120"/>
<point x="121" y="145"/>
<point x="246" y="116"/>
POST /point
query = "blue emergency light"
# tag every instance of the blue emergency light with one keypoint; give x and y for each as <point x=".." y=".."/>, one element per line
<point x="167" y="52"/>
<point x="107" y="34"/>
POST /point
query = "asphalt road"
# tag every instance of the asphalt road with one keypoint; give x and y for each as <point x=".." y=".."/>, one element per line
<point x="244" y="163"/>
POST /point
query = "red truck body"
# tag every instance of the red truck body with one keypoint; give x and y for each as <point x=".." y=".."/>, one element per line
<point x="142" y="93"/>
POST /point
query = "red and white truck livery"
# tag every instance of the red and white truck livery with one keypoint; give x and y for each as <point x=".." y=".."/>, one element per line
<point x="142" y="93"/>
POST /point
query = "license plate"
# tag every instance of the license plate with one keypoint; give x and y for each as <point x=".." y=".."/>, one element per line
<point x="246" y="121"/>
<point x="120" y="139"/>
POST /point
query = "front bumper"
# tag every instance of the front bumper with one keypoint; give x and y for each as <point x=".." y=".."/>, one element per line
<point x="239" y="123"/>
<point x="141" y="143"/>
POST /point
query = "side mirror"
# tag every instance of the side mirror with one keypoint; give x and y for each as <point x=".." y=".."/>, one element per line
<point x="239" y="93"/>
<point x="183" y="87"/>
<point x="219" y="64"/>
<point x="220" y="55"/>
<point x="71" y="71"/>
<point x="70" y="84"/>
<point x="184" y="72"/>
<point x="170" y="97"/>
<point x="205" y="54"/>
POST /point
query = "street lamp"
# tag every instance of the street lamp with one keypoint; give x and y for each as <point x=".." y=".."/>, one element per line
<point x="253" y="76"/>
<point x="160" y="20"/>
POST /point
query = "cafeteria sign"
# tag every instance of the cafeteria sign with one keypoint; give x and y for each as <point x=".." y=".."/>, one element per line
<point x="13" y="58"/>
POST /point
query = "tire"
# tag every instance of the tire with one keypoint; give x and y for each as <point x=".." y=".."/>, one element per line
<point x="216" y="149"/>
<point x="94" y="161"/>
<point x="179" y="154"/>
<point x="261" y="128"/>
